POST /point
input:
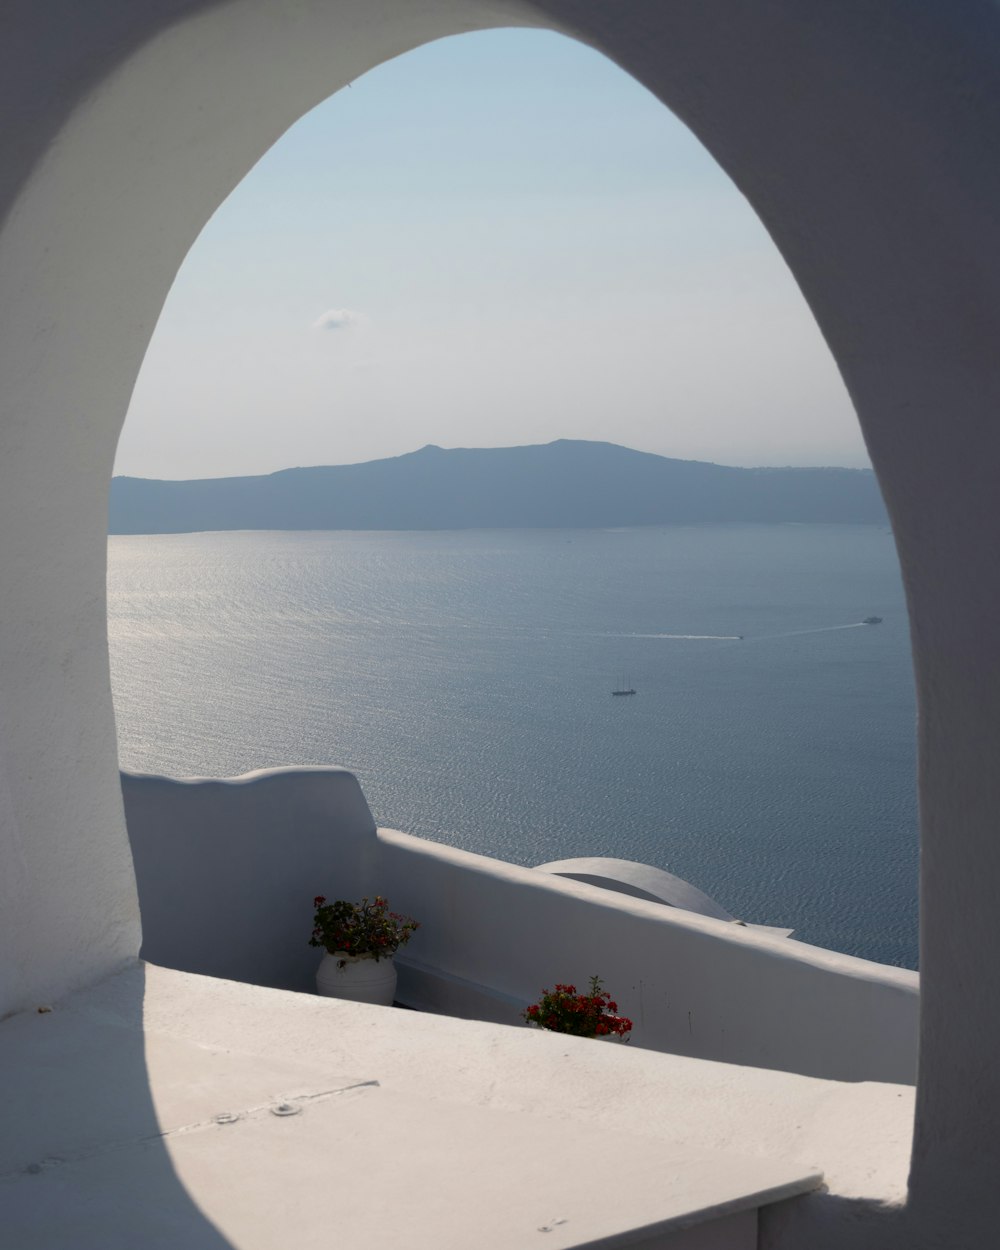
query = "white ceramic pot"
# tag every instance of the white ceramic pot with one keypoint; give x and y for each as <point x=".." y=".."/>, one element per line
<point x="359" y="978"/>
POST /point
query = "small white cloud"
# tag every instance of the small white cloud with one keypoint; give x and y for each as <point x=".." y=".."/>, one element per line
<point x="339" y="319"/>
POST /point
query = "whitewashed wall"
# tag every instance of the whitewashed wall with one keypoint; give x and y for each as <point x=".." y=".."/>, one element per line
<point x="496" y="934"/>
<point x="865" y="137"/>
<point x="227" y="871"/>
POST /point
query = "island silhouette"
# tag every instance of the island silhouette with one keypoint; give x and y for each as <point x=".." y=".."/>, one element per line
<point x="571" y="484"/>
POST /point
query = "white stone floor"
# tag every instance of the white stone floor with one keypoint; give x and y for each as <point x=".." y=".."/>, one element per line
<point x="145" y="1113"/>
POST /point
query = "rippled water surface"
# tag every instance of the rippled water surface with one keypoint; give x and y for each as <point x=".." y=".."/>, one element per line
<point x="466" y="678"/>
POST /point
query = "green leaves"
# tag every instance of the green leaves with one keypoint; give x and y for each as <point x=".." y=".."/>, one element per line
<point x="366" y="929"/>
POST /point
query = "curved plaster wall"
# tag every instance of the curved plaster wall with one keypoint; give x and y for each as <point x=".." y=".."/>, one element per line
<point x="128" y="125"/>
<point x="625" y="876"/>
<point x="638" y="880"/>
<point x="865" y="137"/>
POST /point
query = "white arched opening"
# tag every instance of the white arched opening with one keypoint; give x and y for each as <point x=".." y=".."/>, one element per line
<point x="865" y="146"/>
<point x="643" y="301"/>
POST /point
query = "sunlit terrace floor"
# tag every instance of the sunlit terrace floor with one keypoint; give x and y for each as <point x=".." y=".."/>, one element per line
<point x="145" y="1112"/>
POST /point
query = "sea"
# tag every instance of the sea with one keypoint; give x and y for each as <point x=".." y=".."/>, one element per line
<point x="767" y="755"/>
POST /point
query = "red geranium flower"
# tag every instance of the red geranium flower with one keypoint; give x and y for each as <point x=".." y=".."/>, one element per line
<point x="563" y="1010"/>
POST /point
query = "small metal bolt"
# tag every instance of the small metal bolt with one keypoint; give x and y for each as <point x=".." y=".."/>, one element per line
<point x="552" y="1224"/>
<point x="285" y="1108"/>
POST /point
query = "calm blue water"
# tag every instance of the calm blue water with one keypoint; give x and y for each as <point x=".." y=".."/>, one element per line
<point x="466" y="678"/>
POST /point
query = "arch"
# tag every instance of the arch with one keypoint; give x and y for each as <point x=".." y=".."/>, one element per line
<point x="864" y="140"/>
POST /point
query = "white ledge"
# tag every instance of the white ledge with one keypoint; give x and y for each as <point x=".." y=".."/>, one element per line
<point x="446" y="1132"/>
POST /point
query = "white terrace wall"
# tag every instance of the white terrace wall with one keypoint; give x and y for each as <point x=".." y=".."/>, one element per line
<point x="227" y="871"/>
<point x="496" y="934"/>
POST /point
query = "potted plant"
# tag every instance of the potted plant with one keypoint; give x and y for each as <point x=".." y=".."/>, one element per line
<point x="360" y="940"/>
<point x="593" y="1014"/>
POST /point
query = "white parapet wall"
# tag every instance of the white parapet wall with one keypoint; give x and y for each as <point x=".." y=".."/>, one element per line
<point x="496" y="934"/>
<point x="227" y="871"/>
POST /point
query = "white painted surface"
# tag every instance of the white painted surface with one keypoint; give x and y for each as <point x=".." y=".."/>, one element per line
<point x="357" y="979"/>
<point x="228" y="870"/>
<point x="495" y="934"/>
<point x="412" y="1129"/>
<point x="125" y="128"/>
<point x="626" y="876"/>
<point x="864" y="136"/>
<point x="638" y="880"/>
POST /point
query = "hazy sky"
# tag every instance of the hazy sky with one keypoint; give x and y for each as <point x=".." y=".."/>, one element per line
<point x="496" y="239"/>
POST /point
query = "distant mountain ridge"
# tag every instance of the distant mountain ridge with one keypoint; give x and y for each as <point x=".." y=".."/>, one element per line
<point x="571" y="484"/>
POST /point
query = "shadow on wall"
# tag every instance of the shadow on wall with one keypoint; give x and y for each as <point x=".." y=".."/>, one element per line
<point x="100" y="1172"/>
<point x="819" y="1223"/>
<point x="227" y="870"/>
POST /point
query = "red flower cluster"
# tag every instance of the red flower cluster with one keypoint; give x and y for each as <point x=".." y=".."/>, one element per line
<point x="366" y="928"/>
<point x="563" y="1010"/>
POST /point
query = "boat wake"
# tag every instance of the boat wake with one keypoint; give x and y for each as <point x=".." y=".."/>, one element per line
<point x="822" y="629"/>
<point x="792" y="633"/>
<point x="689" y="637"/>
